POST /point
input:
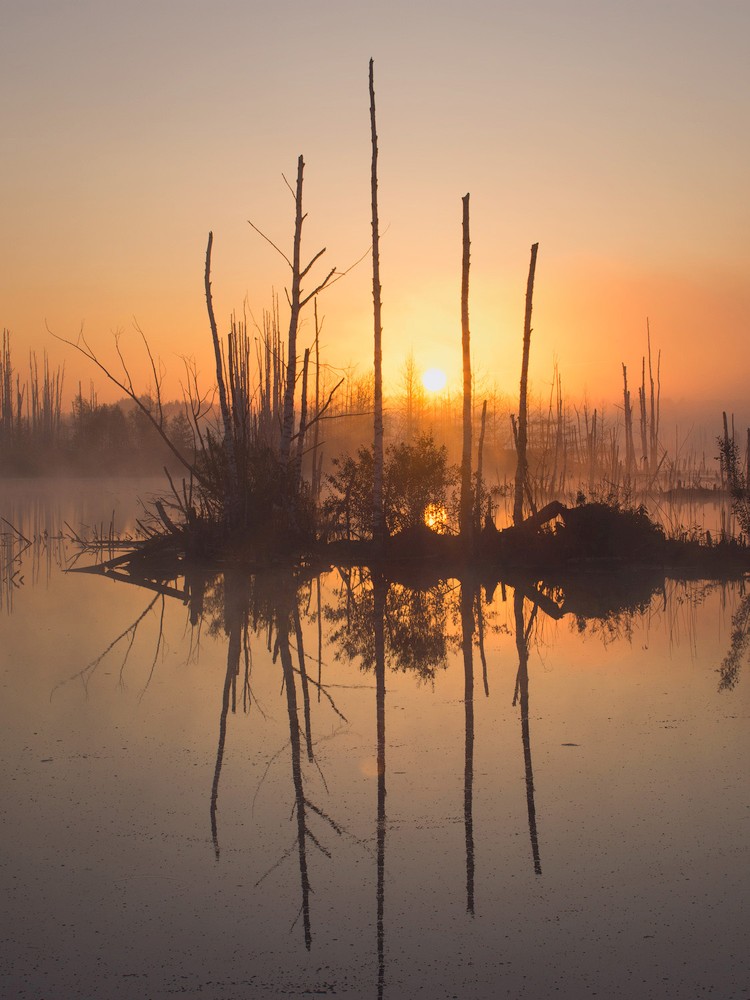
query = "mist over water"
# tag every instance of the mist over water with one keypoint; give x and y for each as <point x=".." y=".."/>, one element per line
<point x="242" y="786"/>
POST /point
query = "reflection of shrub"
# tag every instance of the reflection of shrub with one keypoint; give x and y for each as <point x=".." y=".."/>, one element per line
<point x="415" y="626"/>
<point x="416" y="476"/>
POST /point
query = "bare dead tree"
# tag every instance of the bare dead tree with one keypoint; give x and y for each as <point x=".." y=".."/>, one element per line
<point x="378" y="520"/>
<point x="480" y="453"/>
<point x="316" y="479"/>
<point x="232" y="487"/>
<point x="654" y="408"/>
<point x="466" y="504"/>
<point x="629" y="447"/>
<point x="303" y="415"/>
<point x="642" y="413"/>
<point x="522" y="466"/>
<point x="297" y="302"/>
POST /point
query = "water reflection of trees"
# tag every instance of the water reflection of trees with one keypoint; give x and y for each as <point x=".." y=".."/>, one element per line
<point x="383" y="626"/>
<point x="36" y="556"/>
<point x="243" y="605"/>
<point x="127" y="637"/>
<point x="415" y="624"/>
<point x="418" y="627"/>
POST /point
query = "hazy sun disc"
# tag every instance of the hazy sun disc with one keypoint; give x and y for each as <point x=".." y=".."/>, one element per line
<point x="434" y="379"/>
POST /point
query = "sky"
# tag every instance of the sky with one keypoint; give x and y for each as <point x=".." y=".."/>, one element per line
<point x="614" y="134"/>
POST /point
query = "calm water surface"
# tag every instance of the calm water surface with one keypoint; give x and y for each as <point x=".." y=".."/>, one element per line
<point x="228" y="794"/>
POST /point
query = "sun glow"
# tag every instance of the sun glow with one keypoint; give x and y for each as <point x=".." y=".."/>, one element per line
<point x="436" y="517"/>
<point x="434" y="379"/>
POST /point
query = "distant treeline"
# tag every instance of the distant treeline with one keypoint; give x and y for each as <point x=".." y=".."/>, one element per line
<point x="571" y="446"/>
<point x="37" y="437"/>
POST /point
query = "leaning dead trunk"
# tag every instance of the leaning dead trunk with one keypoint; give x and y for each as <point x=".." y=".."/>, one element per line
<point x="522" y="466"/>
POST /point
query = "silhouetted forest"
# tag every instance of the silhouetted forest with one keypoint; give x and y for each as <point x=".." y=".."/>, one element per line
<point x="38" y="436"/>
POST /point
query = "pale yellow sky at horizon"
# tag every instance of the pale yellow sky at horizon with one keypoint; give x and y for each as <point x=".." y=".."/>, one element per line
<point x="613" y="134"/>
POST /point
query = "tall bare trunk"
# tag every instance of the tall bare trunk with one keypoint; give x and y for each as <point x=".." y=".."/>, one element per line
<point x="643" y="418"/>
<point x="378" y="521"/>
<point x="465" y="515"/>
<point x="287" y="426"/>
<point x="232" y="506"/>
<point x="480" y="452"/>
<point x="655" y="399"/>
<point x="522" y="466"/>
<point x="316" y="429"/>
<point x="302" y="416"/>
<point x="629" y="448"/>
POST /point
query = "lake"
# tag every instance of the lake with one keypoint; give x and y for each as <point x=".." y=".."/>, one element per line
<point x="233" y="787"/>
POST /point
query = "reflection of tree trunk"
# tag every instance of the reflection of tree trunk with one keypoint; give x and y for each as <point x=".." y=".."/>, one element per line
<point x="467" y="633"/>
<point x="305" y="685"/>
<point x="522" y="687"/>
<point x="480" y="635"/>
<point x="285" y="654"/>
<point x="233" y="624"/>
<point x="195" y="591"/>
<point x="320" y="638"/>
<point x="379" y="592"/>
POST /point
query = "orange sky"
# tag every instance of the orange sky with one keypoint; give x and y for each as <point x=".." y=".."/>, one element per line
<point x="614" y="134"/>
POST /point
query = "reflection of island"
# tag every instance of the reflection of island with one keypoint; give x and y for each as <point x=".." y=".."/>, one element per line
<point x="382" y="625"/>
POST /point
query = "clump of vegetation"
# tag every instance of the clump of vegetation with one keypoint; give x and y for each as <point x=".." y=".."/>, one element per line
<point x="416" y="479"/>
<point x="609" y="530"/>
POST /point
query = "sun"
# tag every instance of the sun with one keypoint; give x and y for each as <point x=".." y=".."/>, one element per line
<point x="434" y="379"/>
